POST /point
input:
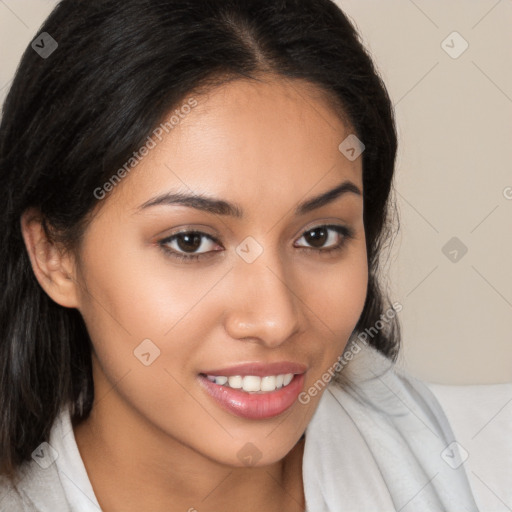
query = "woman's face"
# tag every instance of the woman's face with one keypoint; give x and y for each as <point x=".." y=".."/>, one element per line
<point x="261" y="293"/>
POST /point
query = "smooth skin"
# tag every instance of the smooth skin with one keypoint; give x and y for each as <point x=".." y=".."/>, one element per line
<point x="155" y="440"/>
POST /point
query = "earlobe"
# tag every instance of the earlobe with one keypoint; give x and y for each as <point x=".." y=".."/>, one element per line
<point x="52" y="267"/>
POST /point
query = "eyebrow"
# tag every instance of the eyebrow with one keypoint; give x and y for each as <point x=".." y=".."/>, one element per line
<point x="222" y="207"/>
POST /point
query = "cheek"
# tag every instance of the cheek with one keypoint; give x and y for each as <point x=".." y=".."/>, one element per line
<point x="142" y="296"/>
<point x="340" y="291"/>
<point x="353" y="288"/>
<point x="337" y="300"/>
<point x="139" y="315"/>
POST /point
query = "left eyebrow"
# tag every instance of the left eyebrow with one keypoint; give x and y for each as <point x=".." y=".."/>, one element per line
<point x="327" y="197"/>
<point x="222" y="207"/>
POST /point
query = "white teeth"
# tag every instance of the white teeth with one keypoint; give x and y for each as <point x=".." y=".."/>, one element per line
<point x="252" y="383"/>
<point x="235" y="382"/>
<point x="287" y="379"/>
<point x="268" y="383"/>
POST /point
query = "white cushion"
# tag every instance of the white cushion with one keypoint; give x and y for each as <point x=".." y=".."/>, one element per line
<point x="481" y="419"/>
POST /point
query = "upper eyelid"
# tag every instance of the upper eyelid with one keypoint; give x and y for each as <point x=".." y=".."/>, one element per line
<point x="188" y="231"/>
<point x="213" y="238"/>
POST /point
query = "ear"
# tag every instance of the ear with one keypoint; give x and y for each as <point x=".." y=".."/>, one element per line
<point x="54" y="268"/>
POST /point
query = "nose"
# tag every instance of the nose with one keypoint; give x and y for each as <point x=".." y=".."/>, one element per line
<point x="263" y="306"/>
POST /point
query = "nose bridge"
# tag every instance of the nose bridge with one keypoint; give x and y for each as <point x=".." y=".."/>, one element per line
<point x="263" y="306"/>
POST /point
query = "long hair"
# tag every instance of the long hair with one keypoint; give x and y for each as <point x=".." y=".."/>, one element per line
<point x="74" y="117"/>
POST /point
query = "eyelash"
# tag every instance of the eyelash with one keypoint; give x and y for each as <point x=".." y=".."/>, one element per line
<point x="347" y="235"/>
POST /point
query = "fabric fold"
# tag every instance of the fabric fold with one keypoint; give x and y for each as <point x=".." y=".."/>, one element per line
<point x="381" y="439"/>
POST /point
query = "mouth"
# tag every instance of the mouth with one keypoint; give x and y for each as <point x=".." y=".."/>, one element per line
<point x="255" y="391"/>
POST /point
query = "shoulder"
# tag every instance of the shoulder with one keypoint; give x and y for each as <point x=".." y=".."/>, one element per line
<point x="374" y="391"/>
<point x="10" y="499"/>
<point x="397" y="421"/>
<point x="374" y="384"/>
<point x="36" y="488"/>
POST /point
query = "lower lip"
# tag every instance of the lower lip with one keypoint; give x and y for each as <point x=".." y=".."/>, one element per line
<point x="254" y="406"/>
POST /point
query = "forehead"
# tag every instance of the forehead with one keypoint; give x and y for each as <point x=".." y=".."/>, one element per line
<point x="258" y="142"/>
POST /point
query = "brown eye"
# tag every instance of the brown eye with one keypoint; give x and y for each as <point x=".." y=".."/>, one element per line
<point x="334" y="236"/>
<point x="185" y="245"/>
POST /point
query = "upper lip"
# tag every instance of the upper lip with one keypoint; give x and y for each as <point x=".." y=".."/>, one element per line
<point x="259" y="369"/>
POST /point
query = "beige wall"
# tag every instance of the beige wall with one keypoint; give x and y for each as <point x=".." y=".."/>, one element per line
<point x="454" y="119"/>
<point x="455" y="163"/>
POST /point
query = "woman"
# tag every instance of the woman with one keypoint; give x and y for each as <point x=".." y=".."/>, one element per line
<point x="191" y="316"/>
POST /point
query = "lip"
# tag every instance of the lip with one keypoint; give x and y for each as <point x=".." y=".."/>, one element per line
<point x="253" y="406"/>
<point x="258" y="369"/>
